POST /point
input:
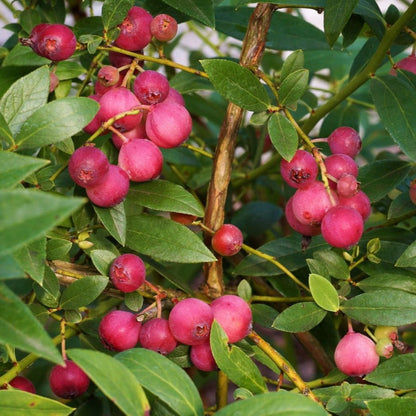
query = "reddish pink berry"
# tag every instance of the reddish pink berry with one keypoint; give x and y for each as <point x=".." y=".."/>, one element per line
<point x="227" y="240"/>
<point x="53" y="81"/>
<point x="190" y="321"/>
<point x="96" y="122"/>
<point x="175" y="96"/>
<point x="338" y="165"/>
<point x="301" y="171"/>
<point x="111" y="190"/>
<point x="359" y="202"/>
<point x="23" y="383"/>
<point x="164" y="27"/>
<point x="68" y="381"/>
<point x="156" y="335"/>
<point x="127" y="272"/>
<point x="355" y="355"/>
<point x="151" y="87"/>
<point x="202" y="357"/>
<point x="345" y="140"/>
<point x="108" y="75"/>
<point x="304" y="229"/>
<point x="119" y="330"/>
<point x="347" y="186"/>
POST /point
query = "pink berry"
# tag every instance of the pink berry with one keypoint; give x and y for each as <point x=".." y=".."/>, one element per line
<point x="345" y="140"/>
<point x="108" y="75"/>
<point x="135" y="31"/>
<point x="68" y="381"/>
<point x="202" y="358"/>
<point x="347" y="185"/>
<point x="88" y="166"/>
<point x="408" y="64"/>
<point x="359" y="202"/>
<point x="301" y="171"/>
<point x="119" y="330"/>
<point x="234" y="316"/>
<point x="311" y="204"/>
<point x="151" y="87"/>
<point x="304" y="229"/>
<point x="227" y="240"/>
<point x="111" y="190"/>
<point x="168" y="124"/>
<point x="175" y="96"/>
<point x="35" y="37"/>
<point x="141" y="159"/>
<point x="156" y="335"/>
<point x="23" y="383"/>
<point x="95" y="123"/>
<point x="355" y="354"/>
<point x="164" y="27"/>
<point x="338" y="165"/>
<point x="190" y="321"/>
<point x="412" y="191"/>
<point x="342" y="227"/>
<point x="127" y="272"/>
<point x="53" y="81"/>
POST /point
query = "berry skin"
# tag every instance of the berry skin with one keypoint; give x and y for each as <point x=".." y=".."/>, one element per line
<point x="127" y="272"/>
<point x="175" y="96"/>
<point x="53" y="81"/>
<point x="111" y="190"/>
<point x="88" y="166"/>
<point x="156" y="335"/>
<point x="304" y="229"/>
<point x="190" y="321"/>
<point x="68" y="381"/>
<point x="164" y="27"/>
<point x="23" y="383"/>
<point x="342" y="227"/>
<point x="355" y="355"/>
<point x="119" y="330"/>
<point x="202" y="358"/>
<point x="108" y="75"/>
<point x="234" y="316"/>
<point x="347" y="186"/>
<point x="95" y="123"/>
<point x="345" y="140"/>
<point x="301" y="171"/>
<point x="359" y="202"/>
<point x="168" y="124"/>
<point x="151" y="87"/>
<point x="227" y="240"/>
<point x="141" y="159"/>
<point x="338" y="165"/>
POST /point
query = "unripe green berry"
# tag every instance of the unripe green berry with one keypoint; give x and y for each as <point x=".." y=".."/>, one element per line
<point x="389" y="332"/>
<point x="384" y="347"/>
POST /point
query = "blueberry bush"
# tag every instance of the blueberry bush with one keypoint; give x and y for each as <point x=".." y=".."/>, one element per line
<point x="207" y="207"/>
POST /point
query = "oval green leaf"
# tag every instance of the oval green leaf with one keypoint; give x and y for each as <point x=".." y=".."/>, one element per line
<point x="408" y="258"/>
<point x="164" y="379"/>
<point x="283" y="135"/>
<point x="294" y="62"/>
<point x="392" y="407"/>
<point x="323" y="292"/>
<point x="388" y="281"/>
<point x="114" y="221"/>
<point x="293" y="87"/>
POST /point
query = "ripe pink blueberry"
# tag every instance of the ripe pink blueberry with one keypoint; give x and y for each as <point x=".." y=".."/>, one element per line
<point x="360" y="202"/>
<point x="304" y="229"/>
<point x="95" y="123"/>
<point x="227" y="240"/>
<point x="338" y="165"/>
<point x="190" y="321"/>
<point x="108" y="75"/>
<point x="202" y="358"/>
<point x="355" y="354"/>
<point x="345" y="140"/>
<point x="119" y="330"/>
<point x="347" y="186"/>
<point x="175" y="96"/>
<point x="68" y="381"/>
<point x="156" y="335"/>
<point x="127" y="272"/>
<point x="164" y="27"/>
<point x="151" y="87"/>
<point x="301" y="171"/>
<point x="234" y="316"/>
<point x="23" y="383"/>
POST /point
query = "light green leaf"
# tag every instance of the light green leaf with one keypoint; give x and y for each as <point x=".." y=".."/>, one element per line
<point x="283" y="135"/>
<point x="102" y="260"/>
<point x="397" y="406"/>
<point x="323" y="293"/>
<point x="5" y="133"/>
<point x="292" y="63"/>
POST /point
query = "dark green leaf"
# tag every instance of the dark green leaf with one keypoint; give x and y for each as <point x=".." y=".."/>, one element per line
<point x="58" y="249"/>
<point x="237" y="84"/>
<point x="293" y="87"/>
<point x="334" y="262"/>
<point x="299" y="317"/>
<point x="133" y="300"/>
<point x="184" y="82"/>
<point x="401" y="205"/>
<point x="238" y="367"/>
<point x="397" y="406"/>
<point x="102" y="260"/>
<point x="26" y="215"/>
<point x="283" y="135"/>
<point x="14" y="168"/>
<point x="167" y="196"/>
<point x="382" y="307"/>
<point x="114" y="220"/>
<point x="20" y="403"/>
<point x="114" y="12"/>
<point x="164" y="379"/>
<point x="395" y="103"/>
<point x="19" y="328"/>
<point x="408" y="258"/>
<point x="122" y="388"/>
<point x="166" y="240"/>
<point x="31" y="257"/>
<point x="387" y="281"/>
<point x="323" y="293"/>
<point x="83" y="291"/>
<point x="56" y="121"/>
<point x="202" y="10"/>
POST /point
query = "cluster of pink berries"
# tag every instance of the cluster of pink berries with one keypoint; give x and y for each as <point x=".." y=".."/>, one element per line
<point x="338" y="213"/>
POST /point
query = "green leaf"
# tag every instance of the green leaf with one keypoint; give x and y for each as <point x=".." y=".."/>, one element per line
<point x="398" y="372"/>
<point x="400" y="206"/>
<point x="102" y="260"/>
<point x="294" y="62"/>
<point x="18" y="327"/>
<point x="323" y="293"/>
<point x="167" y="196"/>
<point x="238" y="367"/>
<point x="163" y="379"/>
<point x="202" y="10"/>
<point x="83" y="291"/>
<point x="395" y="103"/>
<point x="5" y="133"/>
<point x="408" y="258"/>
<point x="122" y="387"/>
<point x="48" y="293"/>
<point x="336" y="265"/>
<point x="185" y="82"/>
<point x="299" y="317"/>
<point x="114" y="12"/>
<point x="237" y="84"/>
<point x="382" y="307"/>
<point x="337" y="14"/>
<point x="396" y="406"/>
<point x="20" y="403"/>
<point x="114" y="221"/>
<point x="56" y="121"/>
<point x="31" y="259"/>
<point x="293" y="87"/>
<point x="133" y="300"/>
<point x="388" y="281"/>
<point x="14" y="168"/>
<point x="281" y="403"/>
<point x="382" y="176"/>
<point x="283" y="135"/>
<point x="165" y="240"/>
<point x="24" y="97"/>
<point x="28" y="214"/>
